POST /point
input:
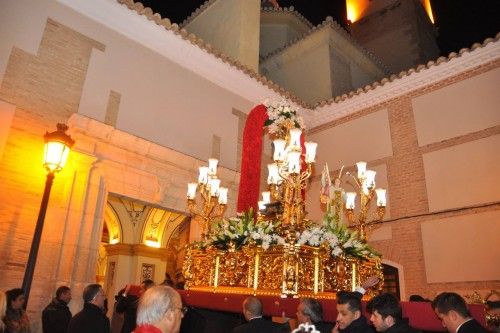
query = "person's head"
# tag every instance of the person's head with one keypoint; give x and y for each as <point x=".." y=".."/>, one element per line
<point x="252" y="307"/>
<point x="451" y="310"/>
<point x="417" y="298"/>
<point x="309" y="311"/>
<point x="94" y="294"/>
<point x="63" y="294"/>
<point x="348" y="308"/>
<point x="146" y="284"/>
<point x="15" y="298"/>
<point x="385" y="311"/>
<point x="161" y="306"/>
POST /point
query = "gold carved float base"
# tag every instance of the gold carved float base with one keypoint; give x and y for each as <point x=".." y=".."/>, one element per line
<point x="281" y="270"/>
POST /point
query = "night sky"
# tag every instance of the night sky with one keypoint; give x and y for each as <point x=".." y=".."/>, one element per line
<point x="460" y="23"/>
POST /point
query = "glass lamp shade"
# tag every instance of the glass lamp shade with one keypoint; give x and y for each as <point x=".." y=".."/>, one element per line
<point x="295" y="134"/>
<point x="214" y="187"/>
<point x="273" y="174"/>
<point x="57" y="147"/>
<point x="223" y="195"/>
<point x="262" y="205"/>
<point x="266" y="197"/>
<point x="279" y="150"/>
<point x="212" y="166"/>
<point x="350" y="202"/>
<point x="361" y="169"/>
<point x="381" y="197"/>
<point x="191" y="193"/>
<point x="370" y="178"/>
<point x="310" y="151"/>
<point x="203" y="177"/>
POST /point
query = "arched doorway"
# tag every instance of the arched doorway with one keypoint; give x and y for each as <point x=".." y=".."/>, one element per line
<point x="139" y="241"/>
<point x="393" y="278"/>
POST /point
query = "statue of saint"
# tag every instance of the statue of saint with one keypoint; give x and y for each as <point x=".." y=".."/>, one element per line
<point x="332" y="195"/>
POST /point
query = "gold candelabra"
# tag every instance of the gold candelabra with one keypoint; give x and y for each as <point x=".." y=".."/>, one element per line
<point x="365" y="181"/>
<point x="287" y="179"/>
<point x="213" y="196"/>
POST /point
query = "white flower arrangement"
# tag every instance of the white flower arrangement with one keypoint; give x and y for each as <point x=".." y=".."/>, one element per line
<point x="282" y="115"/>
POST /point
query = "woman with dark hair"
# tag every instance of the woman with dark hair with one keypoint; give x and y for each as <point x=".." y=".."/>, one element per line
<point x="16" y="319"/>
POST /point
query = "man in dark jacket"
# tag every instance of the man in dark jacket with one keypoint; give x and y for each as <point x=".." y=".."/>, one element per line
<point x="310" y="311"/>
<point x="349" y="317"/>
<point x="387" y="315"/>
<point x="454" y="315"/>
<point x="252" y="311"/>
<point x="56" y="316"/>
<point x="91" y="319"/>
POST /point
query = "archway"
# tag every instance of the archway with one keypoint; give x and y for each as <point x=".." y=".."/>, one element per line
<point x="393" y="278"/>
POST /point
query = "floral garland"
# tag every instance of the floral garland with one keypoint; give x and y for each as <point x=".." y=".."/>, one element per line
<point x="244" y="229"/>
<point x="282" y="115"/>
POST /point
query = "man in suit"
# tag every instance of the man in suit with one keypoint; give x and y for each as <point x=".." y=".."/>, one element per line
<point x="454" y="315"/>
<point x="252" y="311"/>
<point x="349" y="317"/>
<point x="387" y="315"/>
<point x="310" y="311"/>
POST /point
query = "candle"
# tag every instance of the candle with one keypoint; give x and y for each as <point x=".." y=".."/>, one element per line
<point x="273" y="174"/>
<point x="279" y="150"/>
<point x="214" y="187"/>
<point x="212" y="166"/>
<point x="370" y="178"/>
<point x="191" y="193"/>
<point x="262" y="205"/>
<point x="203" y="177"/>
<point x="223" y="195"/>
<point x="381" y="198"/>
<point x="295" y="134"/>
<point x="294" y="162"/>
<point x="266" y="197"/>
<point x="310" y="151"/>
<point x="350" y="200"/>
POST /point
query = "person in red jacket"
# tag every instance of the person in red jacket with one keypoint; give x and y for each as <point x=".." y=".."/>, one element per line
<point x="160" y="311"/>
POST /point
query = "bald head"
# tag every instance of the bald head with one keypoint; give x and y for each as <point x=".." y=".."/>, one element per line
<point x="252" y="307"/>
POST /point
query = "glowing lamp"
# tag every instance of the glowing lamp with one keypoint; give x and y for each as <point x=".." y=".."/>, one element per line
<point x="370" y="178"/>
<point x="273" y="174"/>
<point x="381" y="198"/>
<point x="294" y="162"/>
<point x="361" y="169"/>
<point x="57" y="147"/>
<point x="279" y="150"/>
<point x="310" y="151"/>
<point x="350" y="200"/>
<point x="262" y="205"/>
<point x="214" y="187"/>
<point x="212" y="166"/>
<point x="191" y="193"/>
<point x="223" y="195"/>
<point x="203" y="177"/>
<point x="295" y="134"/>
<point x="266" y="197"/>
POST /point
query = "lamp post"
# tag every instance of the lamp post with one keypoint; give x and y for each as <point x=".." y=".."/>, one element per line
<point x="57" y="147"/>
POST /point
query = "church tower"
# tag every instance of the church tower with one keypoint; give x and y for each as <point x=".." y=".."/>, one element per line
<point x="399" y="32"/>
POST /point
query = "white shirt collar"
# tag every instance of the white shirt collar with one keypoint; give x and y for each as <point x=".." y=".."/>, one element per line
<point x="462" y="324"/>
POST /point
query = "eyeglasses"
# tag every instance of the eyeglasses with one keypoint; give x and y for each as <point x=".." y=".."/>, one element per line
<point x="183" y="310"/>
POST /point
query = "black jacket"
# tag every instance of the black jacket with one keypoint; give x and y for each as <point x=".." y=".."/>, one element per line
<point x="257" y="325"/>
<point x="402" y="326"/>
<point x="359" y="325"/>
<point x="323" y="326"/>
<point x="56" y="317"/>
<point x="128" y="306"/>
<point x="90" y="320"/>
<point x="472" y="326"/>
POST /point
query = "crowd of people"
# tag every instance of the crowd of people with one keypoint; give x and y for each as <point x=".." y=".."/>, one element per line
<point x="159" y="309"/>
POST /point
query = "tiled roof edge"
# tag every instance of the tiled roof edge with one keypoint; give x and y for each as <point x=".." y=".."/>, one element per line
<point x="193" y="39"/>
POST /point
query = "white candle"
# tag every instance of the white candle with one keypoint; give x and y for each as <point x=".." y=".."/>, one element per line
<point x="262" y="205"/>
<point x="212" y="166"/>
<point x="350" y="201"/>
<point x="361" y="169"/>
<point x="310" y="151"/>
<point x="381" y="198"/>
<point x="294" y="162"/>
<point x="273" y="174"/>
<point x="223" y="195"/>
<point x="279" y="150"/>
<point x="203" y="177"/>
<point x="266" y="197"/>
<point x="295" y="134"/>
<point x="191" y="193"/>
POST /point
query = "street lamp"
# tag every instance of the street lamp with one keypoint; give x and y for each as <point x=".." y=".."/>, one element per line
<point x="57" y="147"/>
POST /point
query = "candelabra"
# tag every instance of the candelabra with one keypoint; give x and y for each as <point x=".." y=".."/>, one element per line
<point x="287" y="178"/>
<point x="213" y="196"/>
<point x="365" y="181"/>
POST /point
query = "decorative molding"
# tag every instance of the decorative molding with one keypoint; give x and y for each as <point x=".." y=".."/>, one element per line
<point x="288" y="11"/>
<point x="133" y="250"/>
